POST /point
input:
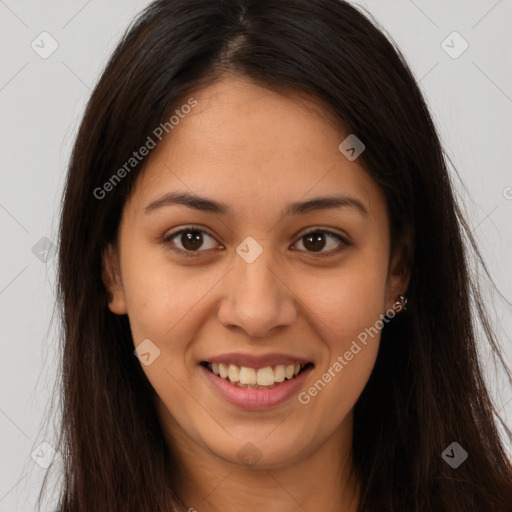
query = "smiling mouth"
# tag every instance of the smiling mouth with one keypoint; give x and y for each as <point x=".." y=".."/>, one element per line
<point x="251" y="378"/>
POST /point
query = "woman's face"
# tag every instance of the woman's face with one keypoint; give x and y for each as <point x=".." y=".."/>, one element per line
<point x="265" y="275"/>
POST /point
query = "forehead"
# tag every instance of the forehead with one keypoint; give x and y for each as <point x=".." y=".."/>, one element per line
<point x="251" y="147"/>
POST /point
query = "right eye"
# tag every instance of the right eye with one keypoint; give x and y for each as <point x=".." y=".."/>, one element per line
<point x="189" y="241"/>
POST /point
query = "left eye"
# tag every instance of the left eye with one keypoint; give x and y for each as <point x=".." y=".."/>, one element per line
<point x="316" y="241"/>
<point x="192" y="240"/>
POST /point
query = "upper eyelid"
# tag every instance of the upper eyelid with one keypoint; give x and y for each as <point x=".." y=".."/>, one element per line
<point x="191" y="227"/>
<point x="314" y="229"/>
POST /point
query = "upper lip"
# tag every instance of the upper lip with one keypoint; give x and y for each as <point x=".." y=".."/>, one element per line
<point x="256" y="362"/>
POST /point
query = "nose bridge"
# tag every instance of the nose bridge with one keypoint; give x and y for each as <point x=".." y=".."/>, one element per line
<point x="257" y="278"/>
<point x="256" y="299"/>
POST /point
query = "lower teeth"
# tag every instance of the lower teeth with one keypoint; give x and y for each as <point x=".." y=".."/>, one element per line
<point x="252" y="386"/>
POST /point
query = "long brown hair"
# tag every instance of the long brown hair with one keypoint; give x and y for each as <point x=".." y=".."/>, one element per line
<point x="427" y="388"/>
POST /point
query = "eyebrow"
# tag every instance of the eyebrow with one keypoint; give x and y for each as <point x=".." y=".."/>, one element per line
<point x="297" y="208"/>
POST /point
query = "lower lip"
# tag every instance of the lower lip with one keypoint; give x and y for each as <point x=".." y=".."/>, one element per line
<point x="256" y="399"/>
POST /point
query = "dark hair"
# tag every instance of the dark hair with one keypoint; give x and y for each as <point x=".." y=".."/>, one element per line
<point x="427" y="388"/>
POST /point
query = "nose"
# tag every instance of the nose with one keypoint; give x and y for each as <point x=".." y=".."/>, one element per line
<point x="257" y="300"/>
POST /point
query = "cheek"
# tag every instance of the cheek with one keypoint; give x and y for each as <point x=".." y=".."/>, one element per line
<point x="345" y="301"/>
<point x="170" y="305"/>
<point x="166" y="304"/>
<point x="346" y="308"/>
<point x="160" y="295"/>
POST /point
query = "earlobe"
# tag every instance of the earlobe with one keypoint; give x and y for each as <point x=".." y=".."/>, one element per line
<point x="111" y="276"/>
<point x="398" y="278"/>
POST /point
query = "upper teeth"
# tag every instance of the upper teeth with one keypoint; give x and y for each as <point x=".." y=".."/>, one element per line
<point x="262" y="377"/>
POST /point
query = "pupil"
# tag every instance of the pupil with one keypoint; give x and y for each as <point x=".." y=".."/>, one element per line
<point x="316" y="241"/>
<point x="192" y="240"/>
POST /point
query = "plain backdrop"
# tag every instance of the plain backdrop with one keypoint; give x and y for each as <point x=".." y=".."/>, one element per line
<point x="42" y="97"/>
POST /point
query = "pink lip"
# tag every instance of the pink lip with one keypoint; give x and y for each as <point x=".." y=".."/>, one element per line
<point x="256" y="399"/>
<point x="256" y="362"/>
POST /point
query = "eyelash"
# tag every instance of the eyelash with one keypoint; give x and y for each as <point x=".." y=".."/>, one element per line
<point x="166" y="241"/>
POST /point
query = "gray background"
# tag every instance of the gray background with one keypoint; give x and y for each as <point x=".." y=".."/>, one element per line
<point x="42" y="99"/>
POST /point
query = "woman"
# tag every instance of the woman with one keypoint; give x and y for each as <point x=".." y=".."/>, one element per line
<point x="265" y="296"/>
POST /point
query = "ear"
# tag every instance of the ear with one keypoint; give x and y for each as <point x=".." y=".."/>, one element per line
<point x="111" y="276"/>
<point x="398" y="274"/>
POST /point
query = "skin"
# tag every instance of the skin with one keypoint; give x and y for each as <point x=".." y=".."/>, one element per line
<point x="255" y="150"/>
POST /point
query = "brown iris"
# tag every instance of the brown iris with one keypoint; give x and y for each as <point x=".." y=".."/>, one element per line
<point x="314" y="241"/>
<point x="192" y="240"/>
